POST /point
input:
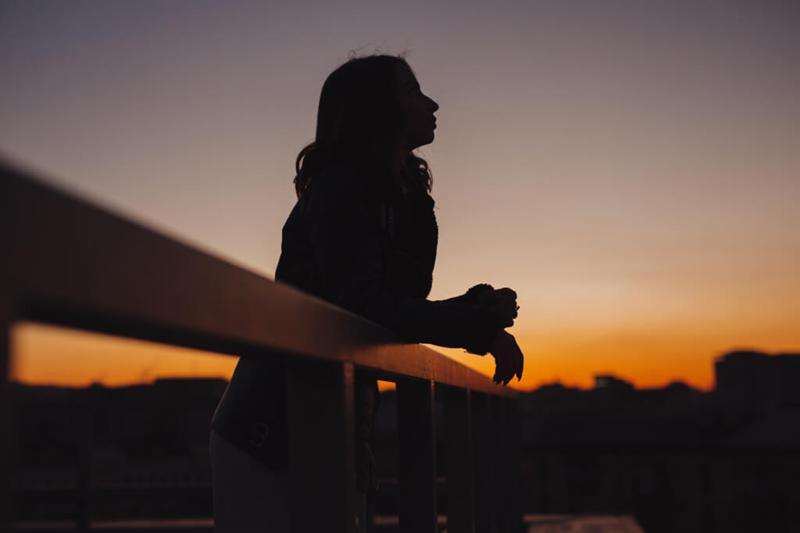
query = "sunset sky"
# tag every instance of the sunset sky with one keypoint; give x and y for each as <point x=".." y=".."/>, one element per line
<point x="630" y="168"/>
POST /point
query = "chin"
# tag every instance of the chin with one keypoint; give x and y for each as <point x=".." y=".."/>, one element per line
<point x="427" y="140"/>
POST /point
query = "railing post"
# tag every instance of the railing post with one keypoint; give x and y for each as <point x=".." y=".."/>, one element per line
<point x="509" y="475"/>
<point x="417" y="457"/>
<point x="322" y="488"/>
<point x="459" y="460"/>
<point x="485" y="445"/>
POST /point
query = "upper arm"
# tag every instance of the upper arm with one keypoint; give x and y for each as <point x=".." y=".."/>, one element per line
<point x="348" y="252"/>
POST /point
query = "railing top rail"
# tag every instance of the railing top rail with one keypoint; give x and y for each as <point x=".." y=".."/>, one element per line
<point x="68" y="262"/>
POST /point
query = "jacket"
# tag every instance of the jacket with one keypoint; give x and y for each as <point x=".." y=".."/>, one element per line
<point x="371" y="252"/>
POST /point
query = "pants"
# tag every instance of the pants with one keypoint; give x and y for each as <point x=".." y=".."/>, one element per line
<point x="249" y="497"/>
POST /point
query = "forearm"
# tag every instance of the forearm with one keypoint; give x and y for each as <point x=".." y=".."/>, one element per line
<point x="453" y="323"/>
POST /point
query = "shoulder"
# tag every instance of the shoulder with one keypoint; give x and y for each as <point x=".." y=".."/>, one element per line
<point x="335" y="181"/>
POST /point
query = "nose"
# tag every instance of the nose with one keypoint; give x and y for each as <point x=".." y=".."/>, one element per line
<point x="434" y="105"/>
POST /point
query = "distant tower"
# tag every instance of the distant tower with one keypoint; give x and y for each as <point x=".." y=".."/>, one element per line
<point x="788" y="365"/>
<point x="747" y="382"/>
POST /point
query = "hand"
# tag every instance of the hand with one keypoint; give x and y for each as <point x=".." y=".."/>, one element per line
<point x="508" y="358"/>
<point x="502" y="303"/>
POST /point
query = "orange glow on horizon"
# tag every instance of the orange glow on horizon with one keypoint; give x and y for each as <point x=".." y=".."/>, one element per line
<point x="44" y="354"/>
<point x="50" y="355"/>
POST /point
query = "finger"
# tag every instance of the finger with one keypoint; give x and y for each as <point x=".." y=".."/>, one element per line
<point x="508" y="298"/>
<point x="509" y="371"/>
<point x="500" y="370"/>
<point x="500" y="295"/>
<point x="501" y="377"/>
<point x="510" y="308"/>
<point x="505" y="310"/>
<point x="505" y="313"/>
<point x="507" y="292"/>
<point x="504" y="318"/>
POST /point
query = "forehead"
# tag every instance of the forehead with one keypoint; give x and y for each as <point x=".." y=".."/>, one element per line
<point x="405" y="76"/>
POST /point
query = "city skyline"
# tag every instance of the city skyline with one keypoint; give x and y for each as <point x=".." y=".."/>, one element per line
<point x="88" y="358"/>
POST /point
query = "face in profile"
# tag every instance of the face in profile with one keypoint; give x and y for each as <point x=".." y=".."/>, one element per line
<point x="417" y="110"/>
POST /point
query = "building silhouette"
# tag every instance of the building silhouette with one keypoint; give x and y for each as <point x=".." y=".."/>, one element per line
<point x="676" y="458"/>
<point x="755" y="383"/>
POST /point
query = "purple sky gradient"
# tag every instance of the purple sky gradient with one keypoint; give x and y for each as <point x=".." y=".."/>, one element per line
<point x="631" y="168"/>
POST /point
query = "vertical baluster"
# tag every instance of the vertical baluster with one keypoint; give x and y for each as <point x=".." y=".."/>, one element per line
<point x="417" y="461"/>
<point x="510" y="477"/>
<point x="8" y="433"/>
<point x="485" y="449"/>
<point x="322" y="491"/>
<point x="459" y="461"/>
<point x="367" y="400"/>
<point x="83" y="444"/>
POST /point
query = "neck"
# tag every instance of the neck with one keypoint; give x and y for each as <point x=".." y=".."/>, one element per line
<point x="399" y="157"/>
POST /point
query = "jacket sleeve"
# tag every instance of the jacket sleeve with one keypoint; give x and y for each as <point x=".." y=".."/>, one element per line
<point x="348" y="263"/>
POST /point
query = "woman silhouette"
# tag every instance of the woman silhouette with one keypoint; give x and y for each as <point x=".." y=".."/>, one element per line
<point x="363" y="236"/>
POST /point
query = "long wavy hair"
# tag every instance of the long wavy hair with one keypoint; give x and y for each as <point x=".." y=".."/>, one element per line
<point x="359" y="121"/>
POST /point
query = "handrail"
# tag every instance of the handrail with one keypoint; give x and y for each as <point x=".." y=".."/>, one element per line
<point x="68" y="262"/>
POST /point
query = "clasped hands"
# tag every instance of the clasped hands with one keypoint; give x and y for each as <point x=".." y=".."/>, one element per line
<point x="502" y="303"/>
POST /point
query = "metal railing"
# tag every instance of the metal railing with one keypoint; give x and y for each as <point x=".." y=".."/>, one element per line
<point x="67" y="262"/>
